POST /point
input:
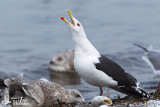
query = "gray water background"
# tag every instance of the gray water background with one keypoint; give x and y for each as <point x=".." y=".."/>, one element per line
<point x="31" y="32"/>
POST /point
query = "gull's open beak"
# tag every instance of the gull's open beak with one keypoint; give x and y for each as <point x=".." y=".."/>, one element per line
<point x="71" y="17"/>
<point x="107" y="101"/>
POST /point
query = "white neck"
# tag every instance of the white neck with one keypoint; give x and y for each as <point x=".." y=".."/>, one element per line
<point x="83" y="45"/>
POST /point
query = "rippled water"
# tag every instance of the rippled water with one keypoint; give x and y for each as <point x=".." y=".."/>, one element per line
<point x="31" y="32"/>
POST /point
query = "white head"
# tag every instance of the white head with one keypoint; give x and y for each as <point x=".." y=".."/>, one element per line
<point x="75" y="26"/>
<point x="101" y="100"/>
<point x="79" y="36"/>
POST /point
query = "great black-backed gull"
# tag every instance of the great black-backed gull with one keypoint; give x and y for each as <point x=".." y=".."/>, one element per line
<point x="152" y="58"/>
<point x="62" y="61"/>
<point x="96" y="69"/>
<point x="101" y="100"/>
<point x="40" y="92"/>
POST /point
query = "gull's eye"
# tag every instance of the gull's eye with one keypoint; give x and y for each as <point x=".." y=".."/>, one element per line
<point x="78" y="96"/>
<point x="78" y="24"/>
<point x="60" y="59"/>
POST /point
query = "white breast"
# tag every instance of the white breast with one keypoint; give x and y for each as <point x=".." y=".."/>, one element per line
<point x="85" y="67"/>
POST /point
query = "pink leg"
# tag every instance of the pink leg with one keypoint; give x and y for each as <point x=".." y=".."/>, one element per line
<point x="108" y="94"/>
<point x="101" y="91"/>
<point x="157" y="85"/>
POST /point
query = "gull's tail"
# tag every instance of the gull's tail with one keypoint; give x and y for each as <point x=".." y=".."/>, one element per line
<point x="133" y="91"/>
<point x="141" y="47"/>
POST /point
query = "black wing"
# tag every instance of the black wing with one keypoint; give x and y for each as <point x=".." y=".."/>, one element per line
<point x="127" y="82"/>
<point x="114" y="70"/>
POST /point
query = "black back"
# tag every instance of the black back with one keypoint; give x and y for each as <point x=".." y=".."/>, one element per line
<point x="114" y="70"/>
